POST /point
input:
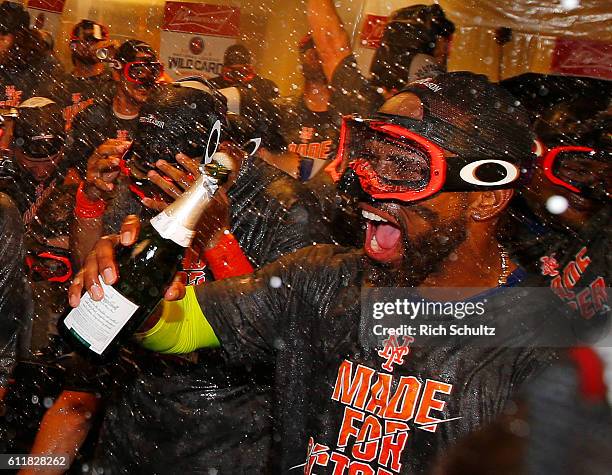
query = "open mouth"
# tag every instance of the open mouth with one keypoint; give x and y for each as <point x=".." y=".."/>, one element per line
<point x="383" y="239"/>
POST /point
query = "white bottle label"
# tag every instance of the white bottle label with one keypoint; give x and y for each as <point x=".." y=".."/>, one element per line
<point x="98" y="323"/>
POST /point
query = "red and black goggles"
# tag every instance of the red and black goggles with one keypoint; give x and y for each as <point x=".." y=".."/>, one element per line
<point x="49" y="264"/>
<point x="238" y="73"/>
<point x="143" y="72"/>
<point x="575" y="168"/>
<point x="392" y="162"/>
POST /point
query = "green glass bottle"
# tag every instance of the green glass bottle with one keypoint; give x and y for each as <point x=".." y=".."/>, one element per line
<point x="98" y="329"/>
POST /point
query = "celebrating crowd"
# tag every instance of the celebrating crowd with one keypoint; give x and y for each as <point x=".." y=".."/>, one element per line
<point x="260" y="357"/>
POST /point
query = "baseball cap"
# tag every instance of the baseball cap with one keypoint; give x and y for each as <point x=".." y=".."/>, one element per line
<point x="39" y="128"/>
<point x="130" y="49"/>
<point x="178" y="118"/>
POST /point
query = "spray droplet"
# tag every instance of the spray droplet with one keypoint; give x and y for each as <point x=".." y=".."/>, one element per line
<point x="557" y="204"/>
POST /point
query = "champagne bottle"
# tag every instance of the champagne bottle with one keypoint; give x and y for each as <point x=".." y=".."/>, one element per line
<point x="98" y="329"/>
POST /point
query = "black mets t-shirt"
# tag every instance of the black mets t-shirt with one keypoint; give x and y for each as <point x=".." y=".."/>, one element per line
<point x="339" y="404"/>
<point x="79" y="93"/>
<point x="312" y="135"/>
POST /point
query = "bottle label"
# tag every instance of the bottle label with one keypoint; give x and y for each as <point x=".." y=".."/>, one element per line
<point x="96" y="324"/>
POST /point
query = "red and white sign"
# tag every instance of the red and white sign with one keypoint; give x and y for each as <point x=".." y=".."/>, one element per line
<point x="46" y="15"/>
<point x="54" y="6"/>
<point x="372" y="31"/>
<point x="582" y="58"/>
<point x="195" y="36"/>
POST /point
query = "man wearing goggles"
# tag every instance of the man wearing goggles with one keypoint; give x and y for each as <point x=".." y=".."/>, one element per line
<point x="136" y="69"/>
<point x="352" y="404"/>
<point x="103" y="132"/>
<point x="44" y="199"/>
<point x="238" y="71"/>
<point x="90" y="81"/>
<point x="561" y="218"/>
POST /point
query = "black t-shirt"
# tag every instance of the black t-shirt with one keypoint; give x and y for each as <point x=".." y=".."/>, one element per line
<point x="312" y="135"/>
<point x="309" y="326"/>
<point x="15" y="300"/>
<point x="576" y="266"/>
<point x="169" y="415"/>
<point x="80" y="93"/>
<point x="92" y="127"/>
<point x="42" y="76"/>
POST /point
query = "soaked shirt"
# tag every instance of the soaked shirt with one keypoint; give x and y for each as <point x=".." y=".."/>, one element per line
<point x="345" y="405"/>
<point x="312" y="135"/>
<point x="42" y="76"/>
<point x="15" y="300"/>
<point x="168" y="414"/>
<point x="575" y="266"/>
<point x="94" y="126"/>
<point x="80" y="93"/>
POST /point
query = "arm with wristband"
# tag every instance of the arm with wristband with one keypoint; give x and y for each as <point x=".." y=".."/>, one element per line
<point x="102" y="172"/>
<point x="87" y="225"/>
<point x="247" y="316"/>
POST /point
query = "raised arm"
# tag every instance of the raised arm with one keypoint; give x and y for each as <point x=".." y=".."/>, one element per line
<point x="331" y="39"/>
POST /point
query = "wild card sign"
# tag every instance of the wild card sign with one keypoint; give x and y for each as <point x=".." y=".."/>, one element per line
<point x="195" y="36"/>
<point x="45" y="15"/>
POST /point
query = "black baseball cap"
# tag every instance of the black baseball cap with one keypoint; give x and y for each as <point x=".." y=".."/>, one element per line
<point x="466" y="114"/>
<point x="128" y="51"/>
<point x="39" y="128"/>
<point x="177" y="118"/>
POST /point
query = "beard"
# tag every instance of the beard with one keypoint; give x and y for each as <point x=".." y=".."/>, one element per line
<point x="423" y="256"/>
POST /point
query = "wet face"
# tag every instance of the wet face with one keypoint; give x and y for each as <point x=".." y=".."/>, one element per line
<point x="39" y="169"/>
<point x="580" y="207"/>
<point x="138" y="94"/>
<point x="84" y="51"/>
<point x="6" y="43"/>
<point x="416" y="238"/>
